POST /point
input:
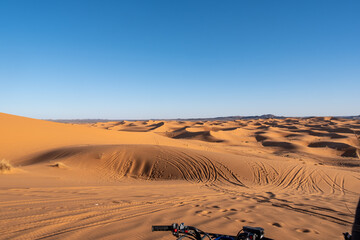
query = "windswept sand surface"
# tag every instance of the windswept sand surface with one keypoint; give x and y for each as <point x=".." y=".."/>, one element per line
<point x="297" y="178"/>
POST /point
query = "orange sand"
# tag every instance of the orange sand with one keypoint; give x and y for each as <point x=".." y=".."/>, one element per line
<point x="297" y="178"/>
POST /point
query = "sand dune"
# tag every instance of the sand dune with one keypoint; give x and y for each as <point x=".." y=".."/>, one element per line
<point x="151" y="162"/>
<point x="295" y="177"/>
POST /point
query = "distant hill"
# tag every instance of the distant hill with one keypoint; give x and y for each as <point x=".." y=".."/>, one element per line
<point x="228" y="118"/>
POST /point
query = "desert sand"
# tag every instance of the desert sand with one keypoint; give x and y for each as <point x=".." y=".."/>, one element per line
<point x="298" y="178"/>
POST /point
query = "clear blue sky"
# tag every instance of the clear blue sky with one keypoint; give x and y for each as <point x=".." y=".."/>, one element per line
<point x="177" y="59"/>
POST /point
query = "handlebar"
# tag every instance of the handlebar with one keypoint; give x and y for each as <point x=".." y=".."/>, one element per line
<point x="162" y="228"/>
<point x="181" y="231"/>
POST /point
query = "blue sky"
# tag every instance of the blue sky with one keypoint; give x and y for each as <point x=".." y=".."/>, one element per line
<point x="179" y="59"/>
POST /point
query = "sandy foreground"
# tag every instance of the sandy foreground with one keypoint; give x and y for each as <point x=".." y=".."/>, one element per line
<point x="297" y="178"/>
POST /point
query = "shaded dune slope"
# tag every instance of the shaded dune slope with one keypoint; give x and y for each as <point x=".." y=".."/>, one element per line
<point x="200" y="135"/>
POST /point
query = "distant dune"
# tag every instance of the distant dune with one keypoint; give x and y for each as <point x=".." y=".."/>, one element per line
<point x="228" y="118"/>
<point x="112" y="180"/>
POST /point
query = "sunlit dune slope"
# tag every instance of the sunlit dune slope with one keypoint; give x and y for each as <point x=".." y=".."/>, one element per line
<point x="21" y="136"/>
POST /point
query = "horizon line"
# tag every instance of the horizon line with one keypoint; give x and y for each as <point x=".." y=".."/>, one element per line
<point x="233" y="117"/>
